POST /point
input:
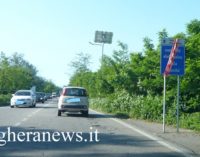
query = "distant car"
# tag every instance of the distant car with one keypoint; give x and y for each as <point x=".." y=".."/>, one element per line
<point x="48" y="95"/>
<point x="40" y="97"/>
<point x="53" y="94"/>
<point x="73" y="99"/>
<point x="23" y="98"/>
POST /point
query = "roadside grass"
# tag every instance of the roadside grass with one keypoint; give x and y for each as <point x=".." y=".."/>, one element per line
<point x="123" y="105"/>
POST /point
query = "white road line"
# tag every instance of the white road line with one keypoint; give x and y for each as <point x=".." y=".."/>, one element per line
<point x="185" y="152"/>
<point x="29" y="115"/>
<point x="27" y="118"/>
<point x="17" y="124"/>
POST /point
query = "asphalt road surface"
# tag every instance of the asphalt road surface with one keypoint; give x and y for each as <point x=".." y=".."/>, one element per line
<point x="39" y="132"/>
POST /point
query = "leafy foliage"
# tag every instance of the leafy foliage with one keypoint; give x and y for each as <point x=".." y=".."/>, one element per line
<point x="132" y="84"/>
<point x="16" y="73"/>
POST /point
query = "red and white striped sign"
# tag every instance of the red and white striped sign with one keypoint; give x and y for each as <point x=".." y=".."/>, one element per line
<point x="171" y="58"/>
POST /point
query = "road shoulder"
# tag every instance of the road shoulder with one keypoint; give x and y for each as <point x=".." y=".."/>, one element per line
<point x="186" y="141"/>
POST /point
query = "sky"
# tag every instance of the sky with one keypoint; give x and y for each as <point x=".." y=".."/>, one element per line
<point x="50" y="33"/>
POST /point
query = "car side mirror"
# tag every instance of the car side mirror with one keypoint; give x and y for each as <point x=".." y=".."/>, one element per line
<point x="13" y="94"/>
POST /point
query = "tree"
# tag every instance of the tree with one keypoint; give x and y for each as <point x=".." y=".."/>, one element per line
<point x="148" y="43"/>
<point x="82" y="75"/>
<point x="193" y="27"/>
<point x="115" y="69"/>
<point x="162" y="34"/>
<point x="139" y="73"/>
<point x="17" y="73"/>
<point x="81" y="63"/>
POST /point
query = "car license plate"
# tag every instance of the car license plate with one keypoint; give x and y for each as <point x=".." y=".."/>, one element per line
<point x="72" y="100"/>
<point x="19" y="102"/>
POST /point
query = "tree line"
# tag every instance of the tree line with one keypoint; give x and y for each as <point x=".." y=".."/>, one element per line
<point x="16" y="73"/>
<point x="126" y="75"/>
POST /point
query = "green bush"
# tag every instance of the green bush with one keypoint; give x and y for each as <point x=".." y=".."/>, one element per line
<point x="149" y="107"/>
<point x="134" y="106"/>
<point x="5" y="99"/>
<point x="190" y="121"/>
<point x="101" y="104"/>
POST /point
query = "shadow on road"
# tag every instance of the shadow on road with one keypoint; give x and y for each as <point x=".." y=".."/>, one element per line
<point x="46" y="107"/>
<point x="80" y="145"/>
<point x="95" y="115"/>
<point x="91" y="115"/>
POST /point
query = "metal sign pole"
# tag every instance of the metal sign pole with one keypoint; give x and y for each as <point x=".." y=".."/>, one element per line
<point x="102" y="53"/>
<point x="177" y="106"/>
<point x="164" y="101"/>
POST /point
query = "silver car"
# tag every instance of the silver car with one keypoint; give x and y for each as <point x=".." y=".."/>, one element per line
<point x="23" y="98"/>
<point x="73" y="99"/>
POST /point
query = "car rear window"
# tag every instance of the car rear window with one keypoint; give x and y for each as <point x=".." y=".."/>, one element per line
<point x="74" y="92"/>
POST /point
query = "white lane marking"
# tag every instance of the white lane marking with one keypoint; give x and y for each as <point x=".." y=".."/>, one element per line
<point x="17" y="124"/>
<point x="27" y="118"/>
<point x="29" y="115"/>
<point x="185" y="152"/>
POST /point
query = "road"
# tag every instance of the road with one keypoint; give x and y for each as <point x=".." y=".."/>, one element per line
<point x="39" y="132"/>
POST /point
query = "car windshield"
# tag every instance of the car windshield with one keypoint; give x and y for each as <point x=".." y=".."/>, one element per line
<point x="40" y="94"/>
<point x="74" y="92"/>
<point x="24" y="93"/>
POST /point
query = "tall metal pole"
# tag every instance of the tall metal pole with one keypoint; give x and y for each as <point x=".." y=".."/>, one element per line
<point x="164" y="100"/>
<point x="177" y="106"/>
<point x="102" y="53"/>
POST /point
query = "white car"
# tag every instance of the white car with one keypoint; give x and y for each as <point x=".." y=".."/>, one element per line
<point x="23" y="98"/>
<point x="73" y="99"/>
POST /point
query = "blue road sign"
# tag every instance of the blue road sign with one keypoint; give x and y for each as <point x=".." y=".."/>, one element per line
<point x="178" y="68"/>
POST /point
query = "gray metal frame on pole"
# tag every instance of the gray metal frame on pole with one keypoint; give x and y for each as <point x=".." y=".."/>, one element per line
<point x="164" y="103"/>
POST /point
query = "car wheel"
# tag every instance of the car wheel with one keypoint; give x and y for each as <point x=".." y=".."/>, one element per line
<point x="33" y="105"/>
<point x="85" y="113"/>
<point x="59" y="113"/>
<point x="11" y="106"/>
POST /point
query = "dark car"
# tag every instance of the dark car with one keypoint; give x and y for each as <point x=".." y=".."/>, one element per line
<point x="40" y="97"/>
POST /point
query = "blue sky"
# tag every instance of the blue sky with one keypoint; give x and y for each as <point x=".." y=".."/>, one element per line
<point x="51" y="32"/>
